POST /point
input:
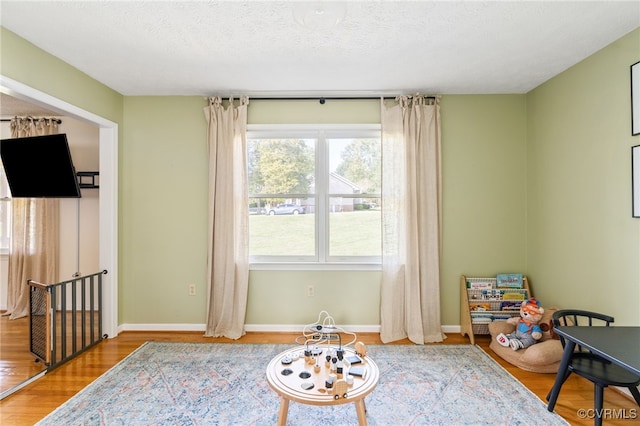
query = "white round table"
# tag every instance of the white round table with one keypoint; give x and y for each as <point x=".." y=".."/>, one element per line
<point x="295" y="378"/>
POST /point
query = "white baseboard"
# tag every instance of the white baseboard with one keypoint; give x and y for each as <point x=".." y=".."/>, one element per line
<point x="451" y="329"/>
<point x="161" y="327"/>
<point x="264" y="328"/>
<point x="295" y="328"/>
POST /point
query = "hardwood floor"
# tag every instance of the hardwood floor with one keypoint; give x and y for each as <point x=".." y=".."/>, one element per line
<point x="36" y="400"/>
<point x="16" y="362"/>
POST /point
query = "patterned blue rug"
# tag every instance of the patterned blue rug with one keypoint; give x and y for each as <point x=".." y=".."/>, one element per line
<point x="224" y="384"/>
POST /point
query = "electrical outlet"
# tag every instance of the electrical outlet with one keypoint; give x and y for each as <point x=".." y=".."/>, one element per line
<point x="192" y="289"/>
<point x="311" y="290"/>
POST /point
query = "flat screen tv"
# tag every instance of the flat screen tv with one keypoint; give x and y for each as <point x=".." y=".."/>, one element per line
<point x="39" y="167"/>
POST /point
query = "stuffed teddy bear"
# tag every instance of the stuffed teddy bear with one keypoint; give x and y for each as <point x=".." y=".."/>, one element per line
<point x="527" y="331"/>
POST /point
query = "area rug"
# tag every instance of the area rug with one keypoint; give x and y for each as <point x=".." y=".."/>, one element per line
<point x="224" y="384"/>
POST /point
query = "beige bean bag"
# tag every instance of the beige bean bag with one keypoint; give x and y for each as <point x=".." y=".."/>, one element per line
<point x="543" y="357"/>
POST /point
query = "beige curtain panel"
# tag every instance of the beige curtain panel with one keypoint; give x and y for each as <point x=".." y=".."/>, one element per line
<point x="34" y="248"/>
<point x="228" y="253"/>
<point x="411" y="220"/>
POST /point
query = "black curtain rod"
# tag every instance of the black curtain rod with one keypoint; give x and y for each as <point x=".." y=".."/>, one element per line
<point x="57" y="120"/>
<point x="329" y="98"/>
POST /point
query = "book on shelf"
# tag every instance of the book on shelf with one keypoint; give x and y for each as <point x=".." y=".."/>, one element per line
<point x="479" y="285"/>
<point x="481" y="318"/>
<point x="513" y="296"/>
<point x="510" y="305"/>
<point x="502" y="317"/>
<point x="509" y="280"/>
<point x="479" y="306"/>
<point x="492" y="294"/>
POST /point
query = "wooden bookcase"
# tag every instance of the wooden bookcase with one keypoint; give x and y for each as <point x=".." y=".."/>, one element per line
<point x="479" y="307"/>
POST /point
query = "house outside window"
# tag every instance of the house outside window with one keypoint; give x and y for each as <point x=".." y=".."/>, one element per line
<point x="314" y="196"/>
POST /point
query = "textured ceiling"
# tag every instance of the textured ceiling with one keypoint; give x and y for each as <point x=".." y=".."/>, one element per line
<point x="10" y="106"/>
<point x="261" y="48"/>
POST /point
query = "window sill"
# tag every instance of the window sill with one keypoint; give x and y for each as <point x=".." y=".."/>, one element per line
<point x="311" y="266"/>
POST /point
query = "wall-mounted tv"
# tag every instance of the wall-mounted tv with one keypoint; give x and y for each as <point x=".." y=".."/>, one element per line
<point x="39" y="167"/>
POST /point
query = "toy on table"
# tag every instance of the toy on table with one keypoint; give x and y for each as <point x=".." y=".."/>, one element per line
<point x="527" y="331"/>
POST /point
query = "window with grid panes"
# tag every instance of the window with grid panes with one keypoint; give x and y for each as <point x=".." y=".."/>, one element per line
<point x="314" y="194"/>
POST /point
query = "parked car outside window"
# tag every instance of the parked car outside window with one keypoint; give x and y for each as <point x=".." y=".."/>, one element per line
<point x="286" y="209"/>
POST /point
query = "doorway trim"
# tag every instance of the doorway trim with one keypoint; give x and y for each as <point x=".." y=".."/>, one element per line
<point x="108" y="200"/>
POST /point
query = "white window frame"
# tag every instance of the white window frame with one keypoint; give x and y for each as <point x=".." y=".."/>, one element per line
<point x="321" y="132"/>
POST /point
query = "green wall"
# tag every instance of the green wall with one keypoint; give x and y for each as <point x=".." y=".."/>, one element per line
<point x="163" y="193"/>
<point x="537" y="183"/>
<point x="484" y="212"/>
<point x="164" y="205"/>
<point x="484" y="180"/>
<point x="583" y="244"/>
